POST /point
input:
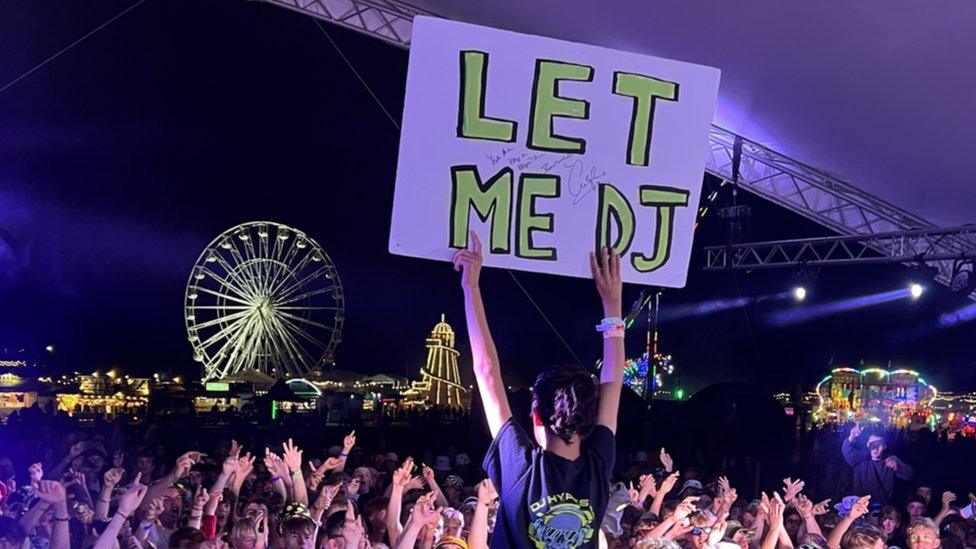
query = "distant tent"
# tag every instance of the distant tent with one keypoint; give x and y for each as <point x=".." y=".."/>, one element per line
<point x="282" y="392"/>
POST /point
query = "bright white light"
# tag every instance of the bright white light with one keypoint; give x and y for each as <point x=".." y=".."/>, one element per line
<point x="799" y="293"/>
<point x="916" y="290"/>
<point x="49" y="348"/>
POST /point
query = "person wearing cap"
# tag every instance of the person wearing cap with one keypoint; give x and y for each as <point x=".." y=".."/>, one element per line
<point x="554" y="490"/>
<point x="296" y="527"/>
<point x="874" y="470"/>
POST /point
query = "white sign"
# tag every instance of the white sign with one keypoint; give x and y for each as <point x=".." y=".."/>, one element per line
<point x="549" y="149"/>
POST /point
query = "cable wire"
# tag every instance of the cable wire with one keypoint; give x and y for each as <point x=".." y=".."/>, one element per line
<point x="71" y="45"/>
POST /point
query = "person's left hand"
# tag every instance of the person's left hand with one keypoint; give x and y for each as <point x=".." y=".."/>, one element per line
<point x="803" y="505"/>
<point x="634" y="495"/>
<point x="717" y="533"/>
<point x="415" y="483"/>
<point x="200" y="499"/>
<point x="891" y="463"/>
<point x="229" y="466"/>
<point x="77" y="478"/>
<point x="36" y="473"/>
<point x="606" y="275"/>
<point x="292" y="456"/>
<point x="349" y="442"/>
<point x="51" y="492"/>
<point x="791" y="488"/>
<point x="821" y="508"/>
<point x="429" y="476"/>
<point x="648" y="486"/>
<point x="353" y="487"/>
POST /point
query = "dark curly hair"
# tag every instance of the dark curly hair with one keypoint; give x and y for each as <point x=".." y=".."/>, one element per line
<point x="565" y="398"/>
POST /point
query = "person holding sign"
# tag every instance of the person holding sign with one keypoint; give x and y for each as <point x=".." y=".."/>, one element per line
<point x="553" y="491"/>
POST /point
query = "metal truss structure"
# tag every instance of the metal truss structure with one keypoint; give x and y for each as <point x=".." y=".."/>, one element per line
<point x="915" y="246"/>
<point x="802" y="189"/>
<point x="388" y="20"/>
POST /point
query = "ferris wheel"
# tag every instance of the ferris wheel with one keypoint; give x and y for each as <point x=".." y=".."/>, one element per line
<point x="263" y="296"/>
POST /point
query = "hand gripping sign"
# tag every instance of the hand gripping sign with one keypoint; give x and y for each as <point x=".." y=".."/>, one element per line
<point x="549" y="149"/>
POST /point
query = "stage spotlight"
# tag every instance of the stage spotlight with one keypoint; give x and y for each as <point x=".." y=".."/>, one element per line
<point x="799" y="293"/>
<point x="916" y="290"/>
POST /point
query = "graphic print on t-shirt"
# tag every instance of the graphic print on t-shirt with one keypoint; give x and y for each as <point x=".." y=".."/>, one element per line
<point x="561" y="521"/>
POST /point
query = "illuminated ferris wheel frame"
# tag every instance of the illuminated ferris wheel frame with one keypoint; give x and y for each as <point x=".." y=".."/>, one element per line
<point x="263" y="297"/>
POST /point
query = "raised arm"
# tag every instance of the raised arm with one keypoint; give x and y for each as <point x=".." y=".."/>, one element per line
<point x="478" y="533"/>
<point x="853" y="456"/>
<point x="858" y="510"/>
<point x="606" y="274"/>
<point x="487" y="371"/>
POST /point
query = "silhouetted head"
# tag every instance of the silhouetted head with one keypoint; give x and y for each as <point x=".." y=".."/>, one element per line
<point x="564" y="401"/>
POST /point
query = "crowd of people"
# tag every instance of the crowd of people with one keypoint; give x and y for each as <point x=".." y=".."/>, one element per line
<point x="567" y="482"/>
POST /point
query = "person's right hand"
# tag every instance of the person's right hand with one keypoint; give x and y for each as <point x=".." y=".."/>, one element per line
<point x="947" y="499"/>
<point x="331" y="463"/>
<point x="486" y="492"/>
<point x="469" y="262"/>
<point x="776" y="508"/>
<point x="112" y="477"/>
<point x="860" y="508"/>
<point x="685" y="508"/>
<point x="245" y="465"/>
<point x="803" y="505"/>
<point x="77" y="448"/>
<point x="155" y="509"/>
<point x="666" y="461"/>
<point x="606" y="274"/>
<point x="349" y="442"/>
<point x="855" y="432"/>
<point x="668" y="483"/>
<point x="130" y="500"/>
<point x="424" y="510"/>
<point x="402" y="475"/>
<point x="210" y="508"/>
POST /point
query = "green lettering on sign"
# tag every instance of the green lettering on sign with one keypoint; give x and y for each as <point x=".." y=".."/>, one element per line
<point x="472" y="122"/>
<point x="490" y="200"/>
<point x="664" y="200"/>
<point x="610" y="203"/>
<point x="645" y="91"/>
<point x="533" y="186"/>
<point x="547" y="105"/>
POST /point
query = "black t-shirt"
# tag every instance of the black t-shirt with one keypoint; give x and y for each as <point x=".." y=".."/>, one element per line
<point x="547" y="501"/>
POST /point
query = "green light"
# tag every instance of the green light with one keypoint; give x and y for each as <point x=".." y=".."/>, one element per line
<point x="274" y="410"/>
<point x="679" y="393"/>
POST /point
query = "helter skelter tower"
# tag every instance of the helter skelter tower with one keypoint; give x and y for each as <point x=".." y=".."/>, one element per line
<point x="440" y="383"/>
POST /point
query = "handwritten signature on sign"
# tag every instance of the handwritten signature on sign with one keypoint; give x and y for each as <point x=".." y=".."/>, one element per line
<point x="581" y="179"/>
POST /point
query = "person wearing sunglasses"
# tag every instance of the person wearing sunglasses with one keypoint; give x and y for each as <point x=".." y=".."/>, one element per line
<point x="874" y="469"/>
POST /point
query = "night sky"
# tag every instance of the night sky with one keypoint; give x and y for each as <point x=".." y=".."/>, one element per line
<point x="122" y="158"/>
